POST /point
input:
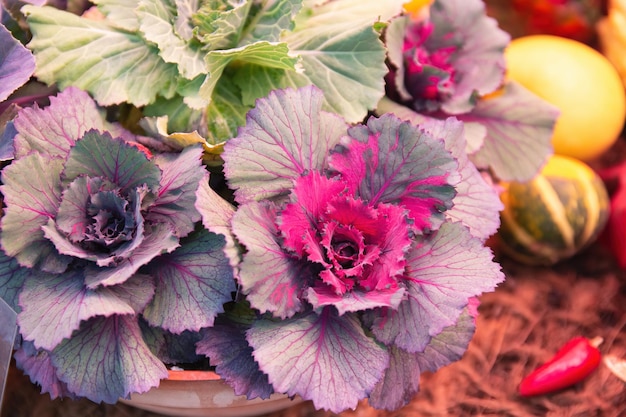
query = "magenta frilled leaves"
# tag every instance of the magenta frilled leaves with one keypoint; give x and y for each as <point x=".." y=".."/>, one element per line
<point x="449" y="58"/>
<point x="349" y="254"/>
<point x="447" y="62"/>
<point x="430" y="75"/>
<point x="358" y="248"/>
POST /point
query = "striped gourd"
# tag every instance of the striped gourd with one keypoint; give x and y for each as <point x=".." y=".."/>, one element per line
<point x="555" y="215"/>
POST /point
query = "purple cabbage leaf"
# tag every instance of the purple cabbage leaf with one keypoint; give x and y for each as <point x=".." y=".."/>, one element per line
<point x="443" y="272"/>
<point x="107" y="359"/>
<point x="55" y="305"/>
<point x="17" y="64"/>
<point x="12" y="277"/>
<point x="99" y="235"/>
<point x="37" y="364"/>
<point x="286" y="135"/>
<point x="272" y="279"/>
<point x="519" y="131"/>
<point x="447" y="60"/>
<point x="443" y="349"/>
<point x="192" y="284"/>
<point x="477" y="204"/>
<point x="31" y="188"/>
<point x="50" y="131"/>
<point x="171" y="348"/>
<point x="217" y="213"/>
<point x="321" y="357"/>
<point x="226" y="345"/>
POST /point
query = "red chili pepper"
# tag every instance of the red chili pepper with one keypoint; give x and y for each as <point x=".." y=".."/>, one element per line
<point x="576" y="360"/>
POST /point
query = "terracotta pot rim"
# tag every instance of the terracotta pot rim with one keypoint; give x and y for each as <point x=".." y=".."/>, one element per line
<point x="192" y="375"/>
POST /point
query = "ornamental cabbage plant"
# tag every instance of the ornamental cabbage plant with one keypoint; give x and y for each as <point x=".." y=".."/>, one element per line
<point x="447" y="61"/>
<point x="199" y="65"/>
<point x="102" y="253"/>
<point x="363" y="252"/>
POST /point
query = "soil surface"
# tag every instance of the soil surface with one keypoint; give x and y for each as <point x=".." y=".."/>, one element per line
<point x="520" y="325"/>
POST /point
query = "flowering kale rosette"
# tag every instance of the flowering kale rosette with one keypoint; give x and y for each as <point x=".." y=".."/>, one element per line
<point x="102" y="256"/>
<point x="449" y="61"/>
<point x="355" y="258"/>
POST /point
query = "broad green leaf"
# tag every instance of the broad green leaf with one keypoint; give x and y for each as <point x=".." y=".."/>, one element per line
<point x="270" y="19"/>
<point x="114" y="65"/>
<point x="256" y="81"/>
<point x="157" y="24"/>
<point x="226" y="112"/>
<point x="267" y="54"/>
<point x="343" y="57"/>
<point x="120" y="13"/>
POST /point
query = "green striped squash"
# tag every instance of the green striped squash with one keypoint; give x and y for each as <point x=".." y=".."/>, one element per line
<point x="555" y="215"/>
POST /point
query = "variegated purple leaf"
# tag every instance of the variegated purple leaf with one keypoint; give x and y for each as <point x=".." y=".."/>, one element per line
<point x="449" y="345"/>
<point x="53" y="306"/>
<point x="192" y="284"/>
<point x="12" y="277"/>
<point x="400" y="383"/>
<point x="180" y="178"/>
<point x="17" y="63"/>
<point x="32" y="193"/>
<point x="99" y="155"/>
<point x="107" y="359"/>
<point x="159" y="240"/>
<point x="391" y="161"/>
<point x="401" y="380"/>
<point x="519" y="132"/>
<point x="216" y="215"/>
<point x="171" y="348"/>
<point x="443" y="272"/>
<point x="286" y="135"/>
<point x="50" y="131"/>
<point x="38" y="366"/>
<point x="7" y="133"/>
<point x="477" y="203"/>
<point x="271" y="279"/>
<point x="136" y="291"/>
<point x="226" y="346"/>
<point x="325" y="358"/>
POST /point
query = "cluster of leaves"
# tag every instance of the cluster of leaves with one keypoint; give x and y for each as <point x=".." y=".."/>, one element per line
<point x="363" y="249"/>
<point x="202" y="64"/>
<point x="451" y="63"/>
<point x="350" y="256"/>
<point x="100" y="245"/>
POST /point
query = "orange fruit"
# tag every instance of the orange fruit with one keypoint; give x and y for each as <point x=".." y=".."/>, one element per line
<point x="580" y="82"/>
